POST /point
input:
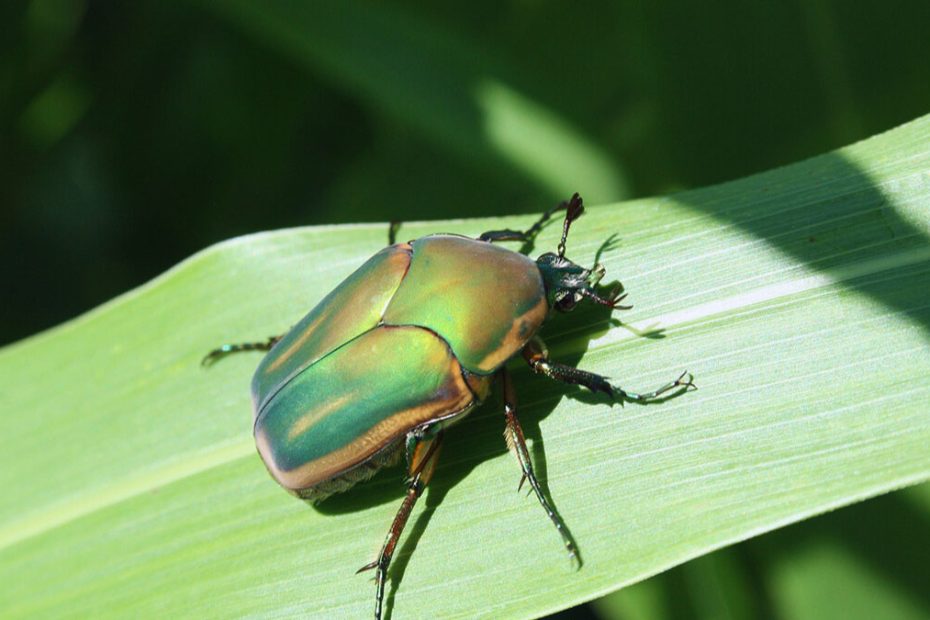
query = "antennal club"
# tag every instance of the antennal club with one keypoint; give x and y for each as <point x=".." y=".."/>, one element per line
<point x="573" y="211"/>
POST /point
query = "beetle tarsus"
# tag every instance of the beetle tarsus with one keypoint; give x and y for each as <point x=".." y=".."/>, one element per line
<point x="380" y="577"/>
<point x="226" y="349"/>
<point x="680" y="382"/>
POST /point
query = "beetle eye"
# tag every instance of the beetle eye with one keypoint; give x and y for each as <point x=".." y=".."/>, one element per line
<point x="566" y="303"/>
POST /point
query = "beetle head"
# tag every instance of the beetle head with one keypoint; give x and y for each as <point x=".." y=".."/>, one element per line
<point x="568" y="283"/>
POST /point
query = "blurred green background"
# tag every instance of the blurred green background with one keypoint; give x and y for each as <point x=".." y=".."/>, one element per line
<point x="135" y="134"/>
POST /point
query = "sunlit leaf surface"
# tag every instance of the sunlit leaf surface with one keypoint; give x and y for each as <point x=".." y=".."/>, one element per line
<point x="798" y="298"/>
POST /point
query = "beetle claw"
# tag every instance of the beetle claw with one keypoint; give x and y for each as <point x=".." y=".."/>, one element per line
<point x="369" y="566"/>
<point x="574" y="559"/>
<point x="616" y="298"/>
<point x="688" y="384"/>
<point x="605" y="387"/>
<point x="210" y="358"/>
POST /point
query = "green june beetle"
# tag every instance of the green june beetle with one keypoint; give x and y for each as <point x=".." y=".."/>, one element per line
<point x="449" y="312"/>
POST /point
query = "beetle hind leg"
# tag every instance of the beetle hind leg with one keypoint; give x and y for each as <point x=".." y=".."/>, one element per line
<point x="422" y="453"/>
<point x="513" y="434"/>
<point x="226" y="349"/>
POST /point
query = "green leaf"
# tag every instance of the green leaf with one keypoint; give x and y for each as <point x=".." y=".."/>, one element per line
<point x="797" y="297"/>
<point x="864" y="562"/>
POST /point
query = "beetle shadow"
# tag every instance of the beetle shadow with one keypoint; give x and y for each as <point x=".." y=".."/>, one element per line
<point x="462" y="451"/>
<point x="652" y="332"/>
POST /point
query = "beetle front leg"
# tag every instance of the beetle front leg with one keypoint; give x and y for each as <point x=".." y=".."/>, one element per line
<point x="516" y="441"/>
<point x="422" y="453"/>
<point x="226" y="349"/>
<point x="537" y="357"/>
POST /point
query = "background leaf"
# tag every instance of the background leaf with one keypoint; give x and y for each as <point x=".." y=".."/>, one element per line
<point x="797" y="297"/>
<point x="442" y="84"/>
<point x="861" y="562"/>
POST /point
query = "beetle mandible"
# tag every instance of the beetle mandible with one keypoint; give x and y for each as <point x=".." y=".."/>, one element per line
<point x="319" y="424"/>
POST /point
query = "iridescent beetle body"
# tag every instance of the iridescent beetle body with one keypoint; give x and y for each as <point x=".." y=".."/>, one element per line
<point x="393" y="324"/>
<point x="405" y="346"/>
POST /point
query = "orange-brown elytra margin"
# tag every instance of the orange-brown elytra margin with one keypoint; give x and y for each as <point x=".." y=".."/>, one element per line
<point x="515" y="339"/>
<point x="480" y="385"/>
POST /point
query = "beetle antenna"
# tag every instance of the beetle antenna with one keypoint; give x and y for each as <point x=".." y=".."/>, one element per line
<point x="573" y="211"/>
<point x="612" y="300"/>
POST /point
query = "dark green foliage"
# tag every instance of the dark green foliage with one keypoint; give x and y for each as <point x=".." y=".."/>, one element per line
<point x="131" y="135"/>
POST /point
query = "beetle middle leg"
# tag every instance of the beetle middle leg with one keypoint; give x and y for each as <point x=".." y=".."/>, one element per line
<point x="537" y="357"/>
<point x="422" y="453"/>
<point x="226" y="349"/>
<point x="513" y="434"/>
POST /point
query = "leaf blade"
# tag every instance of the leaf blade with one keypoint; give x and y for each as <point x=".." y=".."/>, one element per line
<point x="810" y="355"/>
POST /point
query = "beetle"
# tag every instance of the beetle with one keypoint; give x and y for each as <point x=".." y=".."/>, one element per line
<point x="406" y="346"/>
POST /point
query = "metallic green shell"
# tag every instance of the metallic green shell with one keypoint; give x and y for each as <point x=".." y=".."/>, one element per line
<point x="357" y="402"/>
<point x="354" y="307"/>
<point x="484" y="300"/>
<point x="412" y="337"/>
